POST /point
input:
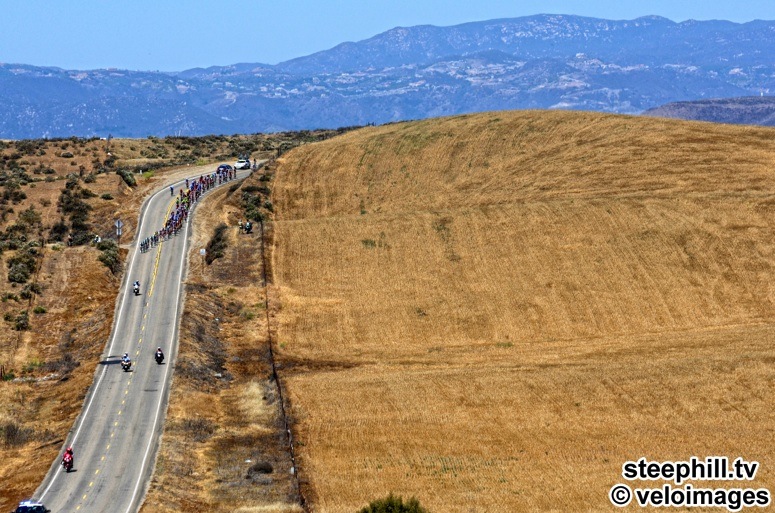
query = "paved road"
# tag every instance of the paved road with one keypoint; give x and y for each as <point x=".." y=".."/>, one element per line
<point x="116" y="436"/>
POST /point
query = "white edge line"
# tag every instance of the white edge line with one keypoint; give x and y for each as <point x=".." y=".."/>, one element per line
<point x="183" y="256"/>
<point x="116" y="322"/>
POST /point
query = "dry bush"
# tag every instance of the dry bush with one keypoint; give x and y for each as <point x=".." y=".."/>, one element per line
<point x="14" y="434"/>
<point x="198" y="429"/>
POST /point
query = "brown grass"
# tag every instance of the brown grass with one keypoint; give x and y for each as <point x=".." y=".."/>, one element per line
<point x="219" y="428"/>
<point x="54" y="362"/>
<point x="493" y="312"/>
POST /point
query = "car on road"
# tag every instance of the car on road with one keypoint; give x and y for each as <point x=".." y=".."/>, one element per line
<point x="31" y="506"/>
<point x="242" y="164"/>
<point x="224" y="167"/>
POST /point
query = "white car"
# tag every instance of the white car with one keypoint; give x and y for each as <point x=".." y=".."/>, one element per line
<point x="31" y="506"/>
<point x="242" y="164"/>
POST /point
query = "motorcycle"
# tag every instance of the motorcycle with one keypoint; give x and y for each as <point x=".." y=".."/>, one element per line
<point x="126" y="365"/>
<point x="67" y="462"/>
<point x="136" y="289"/>
<point x="159" y="356"/>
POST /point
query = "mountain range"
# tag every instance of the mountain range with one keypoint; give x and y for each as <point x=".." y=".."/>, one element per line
<point x="752" y="110"/>
<point x="536" y="62"/>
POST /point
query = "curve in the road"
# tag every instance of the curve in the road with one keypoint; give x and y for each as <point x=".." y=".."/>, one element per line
<point x="144" y="472"/>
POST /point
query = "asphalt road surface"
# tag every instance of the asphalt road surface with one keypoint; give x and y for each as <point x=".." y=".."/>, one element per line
<point x="116" y="436"/>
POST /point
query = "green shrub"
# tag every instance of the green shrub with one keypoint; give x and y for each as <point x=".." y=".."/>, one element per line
<point x="22" y="321"/>
<point x="107" y="196"/>
<point x="127" y="176"/>
<point x="18" y="273"/>
<point x="110" y="255"/>
<point x="29" y="290"/>
<point x="58" y="231"/>
<point x="39" y="310"/>
<point x="393" y="504"/>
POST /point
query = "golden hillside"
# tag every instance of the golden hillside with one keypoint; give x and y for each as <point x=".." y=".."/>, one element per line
<point x="494" y="312"/>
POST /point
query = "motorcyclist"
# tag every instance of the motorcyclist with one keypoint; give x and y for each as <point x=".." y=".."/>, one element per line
<point x="136" y="287"/>
<point x="159" y="354"/>
<point x="125" y="358"/>
<point x="68" y="457"/>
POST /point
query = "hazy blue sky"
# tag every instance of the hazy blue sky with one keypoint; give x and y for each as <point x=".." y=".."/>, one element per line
<point x="173" y="35"/>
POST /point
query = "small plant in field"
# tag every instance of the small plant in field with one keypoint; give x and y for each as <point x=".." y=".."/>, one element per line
<point x="393" y="504"/>
<point x="39" y="310"/>
<point x="32" y="365"/>
<point x="247" y="314"/>
<point x="107" y="196"/>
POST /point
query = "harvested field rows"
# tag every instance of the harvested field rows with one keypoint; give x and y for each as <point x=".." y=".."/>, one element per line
<point x="494" y="312"/>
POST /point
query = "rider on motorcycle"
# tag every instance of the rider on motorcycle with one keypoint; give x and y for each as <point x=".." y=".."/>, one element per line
<point x="68" y="457"/>
<point x="136" y="286"/>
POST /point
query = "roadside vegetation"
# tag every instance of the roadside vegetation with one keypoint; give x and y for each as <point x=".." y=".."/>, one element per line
<point x="58" y="292"/>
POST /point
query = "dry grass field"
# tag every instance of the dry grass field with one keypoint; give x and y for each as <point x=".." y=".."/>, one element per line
<point x="494" y="312"/>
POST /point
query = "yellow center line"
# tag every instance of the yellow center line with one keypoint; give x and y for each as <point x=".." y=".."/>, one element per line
<point x="137" y="353"/>
<point x="158" y="253"/>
